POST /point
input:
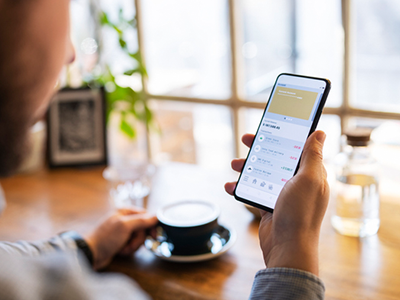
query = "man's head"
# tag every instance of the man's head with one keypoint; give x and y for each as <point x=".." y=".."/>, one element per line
<point x="35" y="44"/>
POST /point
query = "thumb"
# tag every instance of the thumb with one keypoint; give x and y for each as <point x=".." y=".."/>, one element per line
<point x="140" y="221"/>
<point x="312" y="154"/>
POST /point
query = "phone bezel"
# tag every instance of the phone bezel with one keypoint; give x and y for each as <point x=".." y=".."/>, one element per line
<point x="312" y="129"/>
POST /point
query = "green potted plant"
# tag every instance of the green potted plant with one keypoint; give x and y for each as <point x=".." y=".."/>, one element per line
<point x="127" y="109"/>
<point x="128" y="113"/>
<point x="124" y="99"/>
<point x="108" y="59"/>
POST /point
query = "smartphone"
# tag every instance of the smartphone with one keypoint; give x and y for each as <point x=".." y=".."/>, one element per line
<point x="290" y="116"/>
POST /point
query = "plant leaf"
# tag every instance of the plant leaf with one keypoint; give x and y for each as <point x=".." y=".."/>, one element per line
<point x="127" y="128"/>
<point x="149" y="114"/>
<point x="133" y="22"/>
<point x="132" y="71"/>
<point x="104" y="19"/>
<point x="136" y="56"/>
<point x="122" y="43"/>
<point x="119" y="94"/>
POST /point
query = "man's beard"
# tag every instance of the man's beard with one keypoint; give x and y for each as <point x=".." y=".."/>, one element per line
<point x="14" y="145"/>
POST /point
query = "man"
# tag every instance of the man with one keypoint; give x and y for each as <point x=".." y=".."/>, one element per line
<point x="34" y="47"/>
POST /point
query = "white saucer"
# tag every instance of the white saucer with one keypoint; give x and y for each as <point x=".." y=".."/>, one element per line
<point x="222" y="240"/>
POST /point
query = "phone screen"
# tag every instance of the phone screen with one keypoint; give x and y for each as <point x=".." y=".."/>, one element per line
<point x="291" y="114"/>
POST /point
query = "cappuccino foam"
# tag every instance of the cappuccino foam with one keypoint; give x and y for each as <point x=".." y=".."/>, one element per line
<point x="189" y="213"/>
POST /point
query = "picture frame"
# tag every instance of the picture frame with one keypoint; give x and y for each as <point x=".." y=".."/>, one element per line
<point x="76" y="128"/>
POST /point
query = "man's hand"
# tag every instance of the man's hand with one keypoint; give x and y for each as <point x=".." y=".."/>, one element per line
<point x="121" y="233"/>
<point x="289" y="237"/>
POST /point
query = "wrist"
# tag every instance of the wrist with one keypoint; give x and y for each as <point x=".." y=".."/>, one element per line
<point x="296" y="254"/>
<point x="91" y="241"/>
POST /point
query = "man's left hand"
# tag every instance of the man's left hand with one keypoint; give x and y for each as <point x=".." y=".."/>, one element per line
<point x="121" y="233"/>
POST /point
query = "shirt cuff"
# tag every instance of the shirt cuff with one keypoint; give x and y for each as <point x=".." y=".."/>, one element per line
<point x="80" y="244"/>
<point x="286" y="283"/>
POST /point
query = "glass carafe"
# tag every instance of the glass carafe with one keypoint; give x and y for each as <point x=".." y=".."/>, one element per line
<point x="356" y="189"/>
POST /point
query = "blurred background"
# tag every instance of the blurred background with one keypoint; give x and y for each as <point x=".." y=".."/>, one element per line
<point x="205" y="68"/>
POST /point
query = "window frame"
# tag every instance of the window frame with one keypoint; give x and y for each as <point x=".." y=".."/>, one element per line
<point x="237" y="101"/>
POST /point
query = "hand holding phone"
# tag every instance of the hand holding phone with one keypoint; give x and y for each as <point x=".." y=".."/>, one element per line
<point x="289" y="237"/>
<point x="291" y="115"/>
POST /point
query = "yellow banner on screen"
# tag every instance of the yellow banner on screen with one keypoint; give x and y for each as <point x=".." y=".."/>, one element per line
<point x="293" y="103"/>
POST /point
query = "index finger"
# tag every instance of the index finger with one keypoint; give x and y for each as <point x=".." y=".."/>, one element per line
<point x="140" y="221"/>
<point x="133" y="210"/>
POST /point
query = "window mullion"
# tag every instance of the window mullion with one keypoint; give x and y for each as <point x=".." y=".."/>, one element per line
<point x="347" y="60"/>
<point x="139" y="27"/>
<point x="238" y="81"/>
<point x="141" y="48"/>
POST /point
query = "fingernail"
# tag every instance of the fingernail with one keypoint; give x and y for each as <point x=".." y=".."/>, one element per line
<point x="321" y="136"/>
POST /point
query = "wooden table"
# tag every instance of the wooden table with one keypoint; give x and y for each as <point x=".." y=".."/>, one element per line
<point x="43" y="204"/>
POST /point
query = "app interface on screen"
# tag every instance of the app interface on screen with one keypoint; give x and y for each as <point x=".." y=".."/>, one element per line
<point x="279" y="142"/>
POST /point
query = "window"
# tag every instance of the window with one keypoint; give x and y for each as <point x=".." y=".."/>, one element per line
<point x="186" y="45"/>
<point x="212" y="64"/>
<point x="377" y="55"/>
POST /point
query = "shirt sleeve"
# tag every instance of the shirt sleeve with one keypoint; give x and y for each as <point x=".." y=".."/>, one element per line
<point x="38" y="248"/>
<point x="60" y="276"/>
<point x="286" y="283"/>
